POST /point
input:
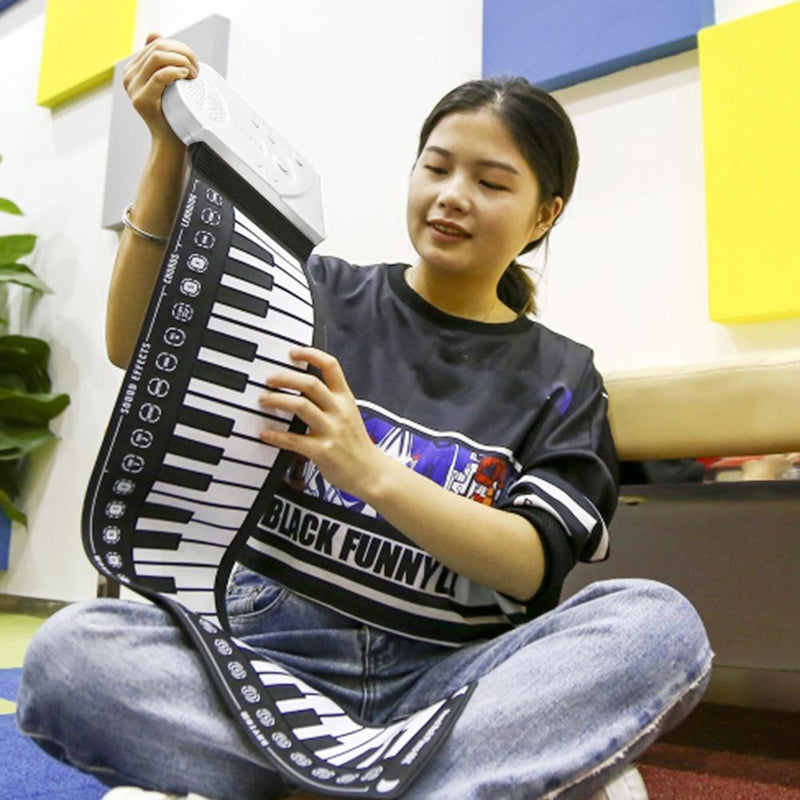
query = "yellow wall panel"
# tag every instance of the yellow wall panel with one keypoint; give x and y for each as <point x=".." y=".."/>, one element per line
<point x="750" y="79"/>
<point x="82" y="41"/>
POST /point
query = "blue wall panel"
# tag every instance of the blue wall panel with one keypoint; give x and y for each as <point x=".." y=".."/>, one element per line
<point x="557" y="43"/>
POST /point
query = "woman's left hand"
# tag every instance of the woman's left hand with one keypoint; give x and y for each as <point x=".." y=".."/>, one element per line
<point x="336" y="441"/>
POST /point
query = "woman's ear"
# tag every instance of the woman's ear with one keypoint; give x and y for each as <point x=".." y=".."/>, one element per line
<point x="546" y="217"/>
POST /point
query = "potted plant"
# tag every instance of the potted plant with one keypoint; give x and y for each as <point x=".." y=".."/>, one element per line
<point x="26" y="402"/>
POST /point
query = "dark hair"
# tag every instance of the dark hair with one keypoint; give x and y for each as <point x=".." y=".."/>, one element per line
<point x="545" y="137"/>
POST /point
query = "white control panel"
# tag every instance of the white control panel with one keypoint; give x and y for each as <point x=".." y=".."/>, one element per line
<point x="207" y="109"/>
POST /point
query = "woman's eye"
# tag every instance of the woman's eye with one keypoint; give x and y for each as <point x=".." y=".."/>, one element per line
<point x="435" y="170"/>
<point x="496" y="186"/>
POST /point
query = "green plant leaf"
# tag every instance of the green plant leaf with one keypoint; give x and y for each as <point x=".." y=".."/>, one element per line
<point x="24" y="276"/>
<point x="37" y="349"/>
<point x="23" y="363"/>
<point x="18" y="441"/>
<point x="29" y="408"/>
<point x="10" y="472"/>
<point x="9" y="206"/>
<point x="12" y="510"/>
<point x="16" y="245"/>
<point x="19" y="371"/>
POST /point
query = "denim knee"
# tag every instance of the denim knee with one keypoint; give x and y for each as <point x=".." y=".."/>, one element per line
<point x="662" y="636"/>
<point x="666" y="618"/>
<point x="56" y="665"/>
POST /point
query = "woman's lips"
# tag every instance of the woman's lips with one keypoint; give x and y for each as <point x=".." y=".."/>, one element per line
<point x="447" y="230"/>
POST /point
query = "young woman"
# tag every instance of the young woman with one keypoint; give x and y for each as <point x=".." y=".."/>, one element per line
<point x="445" y="421"/>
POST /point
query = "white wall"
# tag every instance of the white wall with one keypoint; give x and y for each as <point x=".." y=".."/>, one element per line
<point x="627" y="272"/>
<point x="349" y="83"/>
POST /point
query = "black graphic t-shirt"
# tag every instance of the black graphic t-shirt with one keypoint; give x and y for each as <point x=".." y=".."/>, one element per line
<point x="510" y="414"/>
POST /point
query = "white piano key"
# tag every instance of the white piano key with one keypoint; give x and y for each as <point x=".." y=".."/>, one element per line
<point x="265" y="667"/>
<point x="287" y="302"/>
<point x="317" y="703"/>
<point x="298" y="331"/>
<point x="214" y="536"/>
<point x="292" y="279"/>
<point x="277" y="679"/>
<point x="248" y="477"/>
<point x="246" y="287"/>
<point x="237" y="254"/>
<point x="413" y="725"/>
<point x="226" y="517"/>
<point x="217" y="493"/>
<point x="245" y="402"/>
<point x="235" y="449"/>
<point x="337" y="726"/>
<point x="145" y="523"/>
<point x="349" y="742"/>
<point x="199" y="576"/>
<point x="372" y="748"/>
<point x="193" y="552"/>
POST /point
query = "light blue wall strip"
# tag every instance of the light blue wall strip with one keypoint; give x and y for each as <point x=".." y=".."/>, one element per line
<point x="559" y="43"/>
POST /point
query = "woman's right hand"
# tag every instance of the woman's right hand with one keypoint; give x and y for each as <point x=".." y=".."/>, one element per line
<point x="159" y="63"/>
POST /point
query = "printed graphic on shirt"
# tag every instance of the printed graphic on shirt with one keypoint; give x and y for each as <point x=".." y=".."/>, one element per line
<point x="331" y="546"/>
<point x="466" y="468"/>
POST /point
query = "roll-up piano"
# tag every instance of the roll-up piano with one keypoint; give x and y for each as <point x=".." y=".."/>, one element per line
<point x="182" y="477"/>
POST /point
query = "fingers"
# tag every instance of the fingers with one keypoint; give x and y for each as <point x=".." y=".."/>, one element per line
<point x="332" y="373"/>
<point x="317" y="401"/>
<point x="159" y="63"/>
<point x="337" y="440"/>
<point x="308" y="410"/>
<point x="284" y="440"/>
<point x="319" y="390"/>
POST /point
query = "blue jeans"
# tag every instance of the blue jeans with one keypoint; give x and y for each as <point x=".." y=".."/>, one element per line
<point x="562" y="703"/>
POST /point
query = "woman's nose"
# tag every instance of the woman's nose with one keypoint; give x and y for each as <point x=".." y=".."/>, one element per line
<point x="454" y="195"/>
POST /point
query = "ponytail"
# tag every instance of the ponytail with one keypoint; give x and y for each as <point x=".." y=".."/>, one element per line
<point x="517" y="290"/>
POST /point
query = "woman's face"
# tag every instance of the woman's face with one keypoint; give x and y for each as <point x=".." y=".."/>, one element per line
<point x="473" y="200"/>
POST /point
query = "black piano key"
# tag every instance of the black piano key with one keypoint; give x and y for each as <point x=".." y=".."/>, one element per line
<point x="189" y="479"/>
<point x="244" y="302"/>
<point x="251" y="247"/>
<point x="323" y="743"/>
<point x="158" y="539"/>
<point x="169" y="513"/>
<point x="285" y="691"/>
<point x="162" y="585"/>
<point x="302" y="719"/>
<point x="246" y="272"/>
<point x="205" y="421"/>
<point x="230" y="345"/>
<point x="208" y="454"/>
<point x="221" y="376"/>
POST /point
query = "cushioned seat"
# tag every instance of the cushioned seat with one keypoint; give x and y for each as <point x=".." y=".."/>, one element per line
<point x="740" y="406"/>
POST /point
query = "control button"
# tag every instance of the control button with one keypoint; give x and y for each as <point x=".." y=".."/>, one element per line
<point x="262" y="151"/>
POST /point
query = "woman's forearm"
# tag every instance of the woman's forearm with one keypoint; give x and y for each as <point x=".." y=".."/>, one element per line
<point x="487" y="545"/>
<point x="138" y="259"/>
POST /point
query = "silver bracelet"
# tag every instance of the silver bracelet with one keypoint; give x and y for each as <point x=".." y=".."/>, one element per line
<point x="129" y="224"/>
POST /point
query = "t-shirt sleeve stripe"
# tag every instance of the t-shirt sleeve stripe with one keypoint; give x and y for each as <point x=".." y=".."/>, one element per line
<point x="582" y="522"/>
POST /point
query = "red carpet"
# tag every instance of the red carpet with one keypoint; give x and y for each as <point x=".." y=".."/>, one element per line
<point x="672" y="784"/>
<point x="726" y="753"/>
